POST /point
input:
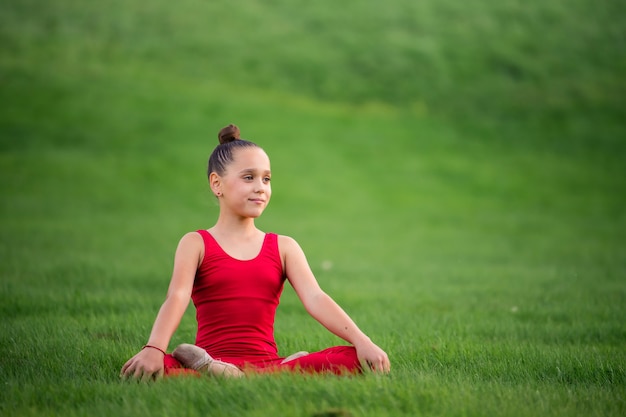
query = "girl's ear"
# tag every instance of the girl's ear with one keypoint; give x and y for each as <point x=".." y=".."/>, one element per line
<point x="215" y="181"/>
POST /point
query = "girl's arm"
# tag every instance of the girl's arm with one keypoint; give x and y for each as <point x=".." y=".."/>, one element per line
<point x="148" y="363"/>
<point x="325" y="310"/>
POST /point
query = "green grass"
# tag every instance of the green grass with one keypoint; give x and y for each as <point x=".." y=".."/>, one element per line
<point x="459" y="165"/>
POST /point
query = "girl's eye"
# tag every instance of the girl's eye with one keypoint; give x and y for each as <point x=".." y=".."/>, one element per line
<point x="267" y="179"/>
<point x="248" y="177"/>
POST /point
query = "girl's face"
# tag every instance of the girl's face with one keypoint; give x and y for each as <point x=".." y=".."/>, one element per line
<point x="245" y="186"/>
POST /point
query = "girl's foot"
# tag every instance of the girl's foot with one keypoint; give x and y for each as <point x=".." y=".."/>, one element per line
<point x="294" y="356"/>
<point x="194" y="357"/>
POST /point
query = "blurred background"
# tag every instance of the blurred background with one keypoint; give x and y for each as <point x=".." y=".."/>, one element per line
<point x="412" y="139"/>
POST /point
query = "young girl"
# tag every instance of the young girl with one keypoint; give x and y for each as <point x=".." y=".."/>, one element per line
<point x="234" y="273"/>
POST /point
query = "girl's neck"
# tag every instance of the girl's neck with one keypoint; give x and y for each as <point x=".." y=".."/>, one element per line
<point x="243" y="227"/>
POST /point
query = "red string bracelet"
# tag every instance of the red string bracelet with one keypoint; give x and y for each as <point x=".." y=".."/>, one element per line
<point x="154" y="347"/>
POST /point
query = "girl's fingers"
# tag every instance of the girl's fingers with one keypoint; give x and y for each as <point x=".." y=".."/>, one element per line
<point x="138" y="373"/>
<point x="134" y="370"/>
<point x="385" y="365"/>
<point x="147" y="377"/>
<point x="123" y="371"/>
<point x="127" y="370"/>
<point x="380" y="364"/>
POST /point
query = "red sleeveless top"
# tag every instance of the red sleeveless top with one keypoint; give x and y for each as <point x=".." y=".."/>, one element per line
<point x="236" y="301"/>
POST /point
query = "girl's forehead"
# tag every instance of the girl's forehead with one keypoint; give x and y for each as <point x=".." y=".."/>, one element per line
<point x="253" y="158"/>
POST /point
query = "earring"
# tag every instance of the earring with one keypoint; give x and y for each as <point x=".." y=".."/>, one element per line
<point x="218" y="194"/>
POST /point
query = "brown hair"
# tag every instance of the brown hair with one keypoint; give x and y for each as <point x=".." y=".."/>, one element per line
<point x="222" y="155"/>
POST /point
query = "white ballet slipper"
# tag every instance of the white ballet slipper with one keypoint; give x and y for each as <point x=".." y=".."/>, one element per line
<point x="194" y="357"/>
<point x="294" y="356"/>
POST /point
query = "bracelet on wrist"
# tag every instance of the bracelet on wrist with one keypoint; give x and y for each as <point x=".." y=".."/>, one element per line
<point x="154" y="347"/>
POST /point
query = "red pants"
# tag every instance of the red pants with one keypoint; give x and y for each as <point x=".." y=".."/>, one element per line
<point x="339" y="360"/>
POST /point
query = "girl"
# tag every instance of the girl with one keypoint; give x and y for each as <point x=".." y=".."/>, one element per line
<point x="234" y="273"/>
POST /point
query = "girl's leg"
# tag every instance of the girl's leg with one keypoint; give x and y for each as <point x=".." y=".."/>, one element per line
<point x="194" y="357"/>
<point x="175" y="368"/>
<point x="340" y="360"/>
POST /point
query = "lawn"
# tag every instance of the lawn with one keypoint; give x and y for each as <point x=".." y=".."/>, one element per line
<point x="453" y="171"/>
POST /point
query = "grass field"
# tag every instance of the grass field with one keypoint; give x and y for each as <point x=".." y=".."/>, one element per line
<point x="454" y="172"/>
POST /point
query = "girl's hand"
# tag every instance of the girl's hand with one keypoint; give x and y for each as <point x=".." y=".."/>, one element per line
<point x="145" y="366"/>
<point x="373" y="357"/>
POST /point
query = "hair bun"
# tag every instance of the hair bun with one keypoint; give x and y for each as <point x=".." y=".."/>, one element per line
<point x="228" y="134"/>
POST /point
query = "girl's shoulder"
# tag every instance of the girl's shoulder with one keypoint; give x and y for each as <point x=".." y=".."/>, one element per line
<point x="192" y="236"/>
<point x="191" y="241"/>
<point x="190" y="248"/>
<point x="286" y="240"/>
<point x="287" y="245"/>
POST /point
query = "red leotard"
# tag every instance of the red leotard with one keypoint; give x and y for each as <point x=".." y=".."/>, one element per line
<point x="236" y="304"/>
<point x="236" y="301"/>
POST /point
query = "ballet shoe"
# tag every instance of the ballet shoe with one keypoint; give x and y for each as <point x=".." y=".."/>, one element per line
<point x="194" y="357"/>
<point x="294" y="356"/>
